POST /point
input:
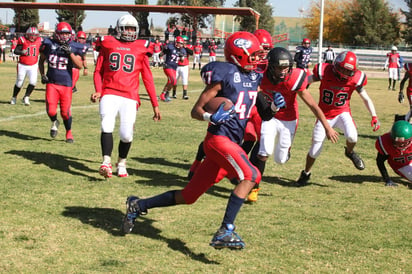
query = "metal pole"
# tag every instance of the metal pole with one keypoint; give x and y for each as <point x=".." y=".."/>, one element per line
<point x="320" y="32"/>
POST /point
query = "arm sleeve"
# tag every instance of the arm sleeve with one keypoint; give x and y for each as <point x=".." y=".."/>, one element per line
<point x="148" y="82"/>
<point x="98" y="74"/>
<point x="380" y="162"/>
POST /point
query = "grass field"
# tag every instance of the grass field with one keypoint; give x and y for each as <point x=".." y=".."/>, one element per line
<point x="59" y="216"/>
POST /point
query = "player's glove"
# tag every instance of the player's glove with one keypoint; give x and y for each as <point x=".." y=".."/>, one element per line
<point x="278" y="101"/>
<point x="401" y="97"/>
<point x="44" y="79"/>
<point x="389" y="182"/>
<point x="222" y="115"/>
<point x="66" y="48"/>
<point x="375" y="123"/>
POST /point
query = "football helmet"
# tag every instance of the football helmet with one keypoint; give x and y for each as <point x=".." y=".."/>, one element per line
<point x="32" y="33"/>
<point x="243" y="49"/>
<point x="185" y="38"/>
<point x="345" y="64"/>
<point x="401" y="134"/>
<point x="280" y="63"/>
<point x="127" y="28"/>
<point x="306" y="41"/>
<point x="394" y="48"/>
<point x="179" y="42"/>
<point x="81" y="36"/>
<point x="63" y="32"/>
<point x="264" y="38"/>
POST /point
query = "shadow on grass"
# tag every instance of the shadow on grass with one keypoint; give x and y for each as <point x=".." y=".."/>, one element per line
<point x="18" y="135"/>
<point x="109" y="220"/>
<point x="162" y="161"/>
<point x="58" y="162"/>
<point x="286" y="182"/>
<point x="359" y="179"/>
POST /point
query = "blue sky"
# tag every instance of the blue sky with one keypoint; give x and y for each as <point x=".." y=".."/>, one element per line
<point x="94" y="18"/>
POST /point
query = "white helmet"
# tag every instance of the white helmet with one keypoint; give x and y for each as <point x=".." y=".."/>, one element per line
<point x="394" y="48"/>
<point x="127" y="21"/>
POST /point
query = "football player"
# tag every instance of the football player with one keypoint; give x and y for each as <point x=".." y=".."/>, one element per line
<point x="406" y="77"/>
<point x="28" y="49"/>
<point x="61" y="56"/>
<point x="81" y="40"/>
<point x="302" y="55"/>
<point x="197" y="54"/>
<point x="157" y="50"/>
<point x="393" y="63"/>
<point x="116" y="80"/>
<point x="182" y="70"/>
<point x="395" y="147"/>
<point x="173" y="53"/>
<point x="338" y="81"/>
<point x="237" y="81"/>
<point x="278" y="133"/>
<point x="212" y="51"/>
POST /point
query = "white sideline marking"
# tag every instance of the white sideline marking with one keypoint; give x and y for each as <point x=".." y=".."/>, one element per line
<point x="11" y="118"/>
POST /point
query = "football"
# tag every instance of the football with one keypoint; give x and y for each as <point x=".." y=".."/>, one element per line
<point x="215" y="102"/>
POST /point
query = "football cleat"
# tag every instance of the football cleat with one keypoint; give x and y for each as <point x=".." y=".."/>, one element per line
<point x="121" y="170"/>
<point x="253" y="195"/>
<point x="106" y="170"/>
<point x="13" y="101"/>
<point x="356" y="159"/>
<point x="226" y="237"/>
<point x="132" y="212"/>
<point x="26" y="100"/>
<point x="303" y="179"/>
<point x="54" y="128"/>
<point x="69" y="137"/>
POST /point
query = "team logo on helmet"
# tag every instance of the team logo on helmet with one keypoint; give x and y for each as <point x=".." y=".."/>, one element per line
<point x="243" y="43"/>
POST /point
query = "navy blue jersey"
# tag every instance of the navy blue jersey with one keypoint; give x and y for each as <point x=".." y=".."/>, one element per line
<point x="172" y="55"/>
<point x="241" y="88"/>
<point x="302" y="56"/>
<point x="59" y="63"/>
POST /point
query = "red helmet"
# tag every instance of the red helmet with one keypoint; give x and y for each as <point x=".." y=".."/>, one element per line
<point x="32" y="33"/>
<point x="81" y="34"/>
<point x="345" y="64"/>
<point x="242" y="49"/>
<point x="179" y="40"/>
<point x="306" y="41"/>
<point x="264" y="38"/>
<point x="63" y="32"/>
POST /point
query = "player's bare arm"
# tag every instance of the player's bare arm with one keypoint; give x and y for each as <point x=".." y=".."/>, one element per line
<point x="331" y="134"/>
<point x="156" y="114"/>
<point x="77" y="60"/>
<point x="208" y="93"/>
<point x="370" y="107"/>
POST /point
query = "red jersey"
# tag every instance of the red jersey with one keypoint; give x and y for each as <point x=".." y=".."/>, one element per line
<point x="118" y="68"/>
<point x="13" y="44"/>
<point x="212" y="50"/>
<point x="295" y="81"/>
<point x="393" y="60"/>
<point x="198" y="49"/>
<point x="32" y="48"/>
<point x="408" y="70"/>
<point x="335" y="94"/>
<point x="397" y="158"/>
<point x="185" y="61"/>
<point x="157" y="47"/>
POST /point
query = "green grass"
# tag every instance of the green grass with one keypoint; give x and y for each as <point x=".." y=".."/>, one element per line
<point x="59" y="216"/>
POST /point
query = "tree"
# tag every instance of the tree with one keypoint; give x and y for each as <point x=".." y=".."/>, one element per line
<point x="25" y="18"/>
<point x="74" y="18"/>
<point x="333" y="20"/>
<point x="248" y="23"/>
<point x="407" y="31"/>
<point x="370" y="23"/>
<point x="190" y="20"/>
<point x="142" y="19"/>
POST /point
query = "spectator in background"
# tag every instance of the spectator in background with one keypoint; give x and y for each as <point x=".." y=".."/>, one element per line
<point x="393" y="64"/>
<point x="3" y="45"/>
<point x="176" y="33"/>
<point x="167" y="33"/>
<point x="329" y="55"/>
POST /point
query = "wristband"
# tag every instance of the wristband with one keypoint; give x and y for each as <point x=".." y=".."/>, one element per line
<point x="206" y="116"/>
<point x="274" y="108"/>
<point x="85" y="67"/>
